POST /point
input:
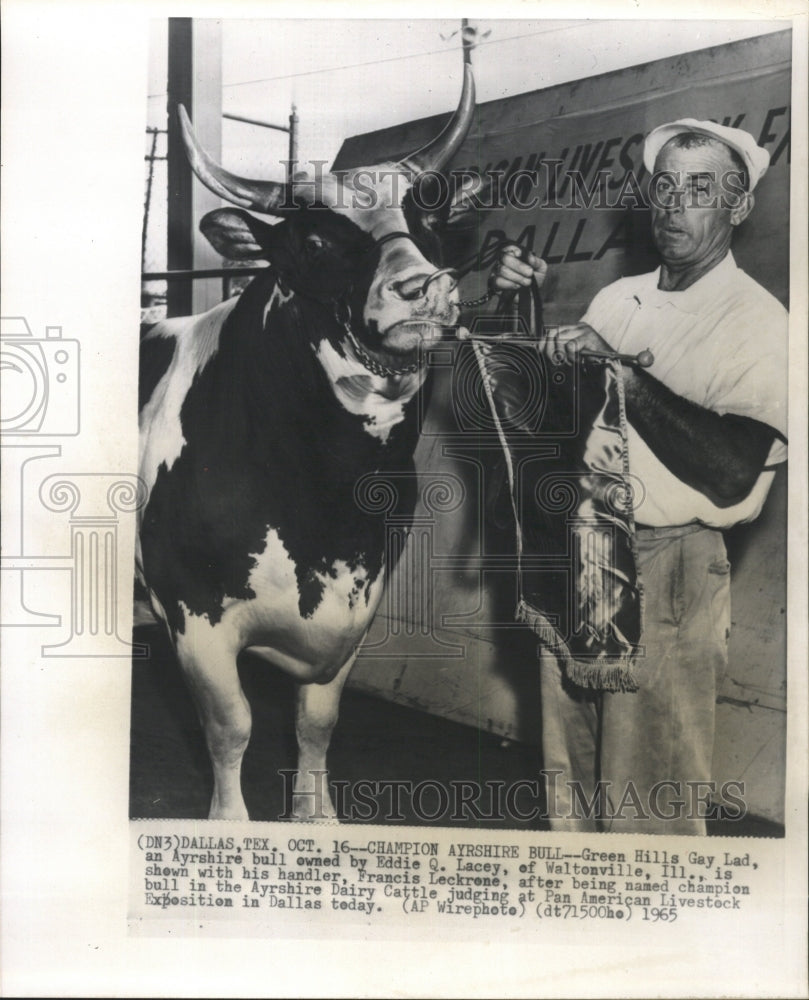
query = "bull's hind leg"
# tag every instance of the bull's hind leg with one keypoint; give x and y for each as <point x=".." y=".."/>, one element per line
<point x="316" y="713"/>
<point x="209" y="665"/>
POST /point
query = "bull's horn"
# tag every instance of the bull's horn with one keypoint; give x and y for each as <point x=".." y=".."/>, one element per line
<point x="439" y="152"/>
<point x="262" y="196"/>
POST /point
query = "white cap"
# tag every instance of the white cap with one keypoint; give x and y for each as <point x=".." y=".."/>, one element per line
<point x="755" y="158"/>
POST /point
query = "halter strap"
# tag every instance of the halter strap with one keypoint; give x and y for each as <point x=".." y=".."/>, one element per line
<point x="371" y="363"/>
<point x="466" y="265"/>
<point x="397" y="234"/>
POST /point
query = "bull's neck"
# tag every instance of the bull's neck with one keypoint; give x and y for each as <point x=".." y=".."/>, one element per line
<point x="380" y="362"/>
<point x="374" y="373"/>
<point x="296" y="371"/>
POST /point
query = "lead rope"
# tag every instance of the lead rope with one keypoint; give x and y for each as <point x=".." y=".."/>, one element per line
<point x="487" y="386"/>
<point x="531" y="303"/>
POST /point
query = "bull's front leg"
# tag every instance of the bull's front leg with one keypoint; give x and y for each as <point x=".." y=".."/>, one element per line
<point x="316" y="713"/>
<point x="208" y="661"/>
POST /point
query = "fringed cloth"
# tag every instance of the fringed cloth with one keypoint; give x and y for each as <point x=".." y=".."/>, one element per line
<point x="562" y="429"/>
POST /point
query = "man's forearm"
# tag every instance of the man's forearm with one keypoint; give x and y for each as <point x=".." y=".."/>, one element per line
<point x="721" y="456"/>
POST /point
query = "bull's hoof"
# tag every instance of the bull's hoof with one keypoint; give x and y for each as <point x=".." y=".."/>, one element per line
<point x="304" y="810"/>
<point x="233" y="811"/>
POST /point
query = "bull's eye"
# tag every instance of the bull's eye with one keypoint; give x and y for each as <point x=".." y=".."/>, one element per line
<point x="315" y="245"/>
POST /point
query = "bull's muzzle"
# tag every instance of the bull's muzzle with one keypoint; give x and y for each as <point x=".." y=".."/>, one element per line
<point x="418" y="286"/>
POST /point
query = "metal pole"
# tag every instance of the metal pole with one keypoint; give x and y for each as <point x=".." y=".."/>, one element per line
<point x="180" y="253"/>
<point x="148" y="201"/>
<point x="195" y="80"/>
<point x="254" y="121"/>
<point x="466" y="45"/>
<point x="293" y="143"/>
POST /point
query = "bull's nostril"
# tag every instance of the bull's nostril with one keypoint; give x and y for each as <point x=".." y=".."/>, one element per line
<point x="442" y="273"/>
<point x="412" y="288"/>
<point x="417" y="286"/>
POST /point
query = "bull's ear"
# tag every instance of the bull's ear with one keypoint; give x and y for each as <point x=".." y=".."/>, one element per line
<point x="236" y="235"/>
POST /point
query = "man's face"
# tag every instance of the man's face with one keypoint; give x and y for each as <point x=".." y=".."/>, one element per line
<point x="693" y="211"/>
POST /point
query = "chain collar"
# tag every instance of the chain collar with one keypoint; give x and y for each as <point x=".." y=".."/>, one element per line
<point x="371" y="363"/>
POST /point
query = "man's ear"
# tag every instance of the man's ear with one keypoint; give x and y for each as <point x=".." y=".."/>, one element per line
<point x="236" y="234"/>
<point x="745" y="206"/>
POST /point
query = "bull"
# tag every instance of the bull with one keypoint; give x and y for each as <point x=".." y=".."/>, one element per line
<point x="258" y="419"/>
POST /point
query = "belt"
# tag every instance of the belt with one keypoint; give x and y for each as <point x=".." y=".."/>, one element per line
<point x="673" y="531"/>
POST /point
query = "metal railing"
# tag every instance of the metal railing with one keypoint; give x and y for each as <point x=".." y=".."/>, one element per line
<point x="153" y="298"/>
<point x="227" y="274"/>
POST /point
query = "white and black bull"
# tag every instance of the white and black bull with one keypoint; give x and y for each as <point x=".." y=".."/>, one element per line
<point x="258" y="420"/>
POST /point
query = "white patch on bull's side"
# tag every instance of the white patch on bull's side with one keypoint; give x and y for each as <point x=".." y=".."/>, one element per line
<point x="311" y="649"/>
<point x="272" y="619"/>
<point x="197" y="341"/>
<point x="379" y="400"/>
<point x="342" y="607"/>
<point x="278" y="298"/>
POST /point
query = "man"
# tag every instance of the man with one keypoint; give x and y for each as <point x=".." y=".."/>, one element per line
<point x="707" y="424"/>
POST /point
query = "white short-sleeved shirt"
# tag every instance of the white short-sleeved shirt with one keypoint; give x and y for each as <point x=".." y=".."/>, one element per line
<point x="721" y="343"/>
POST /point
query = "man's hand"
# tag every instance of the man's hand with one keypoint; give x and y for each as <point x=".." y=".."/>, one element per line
<point x="564" y="343"/>
<point x="511" y="273"/>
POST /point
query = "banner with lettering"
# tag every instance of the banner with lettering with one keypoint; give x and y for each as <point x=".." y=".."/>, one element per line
<point x="566" y="171"/>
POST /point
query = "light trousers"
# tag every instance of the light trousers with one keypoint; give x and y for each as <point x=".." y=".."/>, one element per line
<point x="641" y="761"/>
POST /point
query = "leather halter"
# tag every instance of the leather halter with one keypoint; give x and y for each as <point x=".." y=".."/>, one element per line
<point x="366" y="359"/>
<point x="467" y="265"/>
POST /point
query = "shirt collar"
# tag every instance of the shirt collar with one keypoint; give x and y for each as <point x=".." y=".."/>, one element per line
<point x="698" y="296"/>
